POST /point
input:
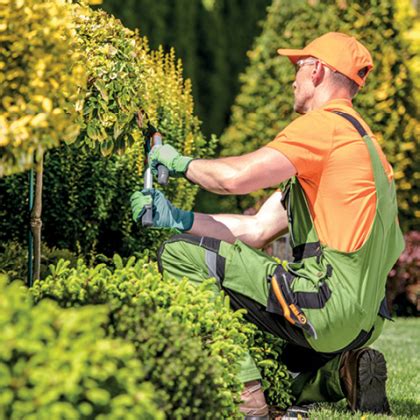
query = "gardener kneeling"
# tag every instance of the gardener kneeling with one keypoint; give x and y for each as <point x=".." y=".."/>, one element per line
<point x="336" y="200"/>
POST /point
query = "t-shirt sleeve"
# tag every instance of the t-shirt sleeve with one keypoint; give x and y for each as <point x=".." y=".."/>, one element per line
<point x="306" y="142"/>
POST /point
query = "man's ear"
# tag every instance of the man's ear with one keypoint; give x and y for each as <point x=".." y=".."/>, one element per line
<point x="318" y="73"/>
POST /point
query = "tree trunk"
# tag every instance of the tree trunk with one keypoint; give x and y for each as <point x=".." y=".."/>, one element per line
<point x="36" y="222"/>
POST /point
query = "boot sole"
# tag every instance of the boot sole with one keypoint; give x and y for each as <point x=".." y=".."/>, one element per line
<point x="371" y="381"/>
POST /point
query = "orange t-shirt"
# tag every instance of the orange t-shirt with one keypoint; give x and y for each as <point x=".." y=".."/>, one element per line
<point x="334" y="169"/>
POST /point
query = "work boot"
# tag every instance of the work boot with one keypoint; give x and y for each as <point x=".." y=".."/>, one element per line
<point x="363" y="377"/>
<point x="253" y="404"/>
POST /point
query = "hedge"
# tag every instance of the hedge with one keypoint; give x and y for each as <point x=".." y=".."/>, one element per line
<point x="265" y="103"/>
<point x="188" y="342"/>
<point x="40" y="81"/>
<point x="86" y="197"/>
<point x="58" y="363"/>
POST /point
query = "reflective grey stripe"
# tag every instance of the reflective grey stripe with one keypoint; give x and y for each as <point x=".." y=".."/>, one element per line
<point x="211" y="261"/>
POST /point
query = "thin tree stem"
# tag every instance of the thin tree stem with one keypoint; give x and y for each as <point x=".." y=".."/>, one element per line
<point x="36" y="222"/>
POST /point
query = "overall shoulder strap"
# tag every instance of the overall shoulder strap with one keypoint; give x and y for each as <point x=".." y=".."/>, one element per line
<point x="354" y="121"/>
<point x="381" y="179"/>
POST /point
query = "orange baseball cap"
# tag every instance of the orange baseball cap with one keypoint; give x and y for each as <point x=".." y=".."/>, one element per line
<point x="339" y="51"/>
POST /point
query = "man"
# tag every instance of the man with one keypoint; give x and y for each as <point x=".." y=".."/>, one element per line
<point x="337" y="200"/>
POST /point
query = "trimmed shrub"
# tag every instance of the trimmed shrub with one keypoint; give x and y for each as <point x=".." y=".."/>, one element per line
<point x="188" y="341"/>
<point x="265" y="104"/>
<point x="57" y="363"/>
<point x="40" y="81"/>
<point x="266" y="351"/>
<point x="86" y="198"/>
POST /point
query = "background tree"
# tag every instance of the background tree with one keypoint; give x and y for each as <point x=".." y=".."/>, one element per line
<point x="211" y="38"/>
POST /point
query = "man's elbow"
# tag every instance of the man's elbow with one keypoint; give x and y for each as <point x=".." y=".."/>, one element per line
<point x="234" y="185"/>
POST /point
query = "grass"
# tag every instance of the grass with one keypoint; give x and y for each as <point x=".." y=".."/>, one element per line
<point x="400" y="343"/>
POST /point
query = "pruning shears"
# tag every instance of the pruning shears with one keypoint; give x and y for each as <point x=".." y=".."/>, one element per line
<point x="153" y="138"/>
<point x="291" y="311"/>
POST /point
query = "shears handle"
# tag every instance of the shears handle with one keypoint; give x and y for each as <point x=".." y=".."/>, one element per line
<point x="163" y="172"/>
<point x="163" y="175"/>
<point x="147" y="218"/>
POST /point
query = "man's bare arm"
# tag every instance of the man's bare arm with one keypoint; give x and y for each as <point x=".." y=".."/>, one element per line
<point x="263" y="168"/>
<point x="257" y="230"/>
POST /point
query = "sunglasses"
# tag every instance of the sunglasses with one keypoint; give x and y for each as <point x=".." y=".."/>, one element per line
<point x="308" y="61"/>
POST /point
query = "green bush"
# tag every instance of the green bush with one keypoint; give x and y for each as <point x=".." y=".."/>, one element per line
<point x="188" y="342"/>
<point x="14" y="260"/>
<point x="57" y="363"/>
<point x="40" y="81"/>
<point x="265" y="104"/>
<point x="86" y="197"/>
<point x="266" y="350"/>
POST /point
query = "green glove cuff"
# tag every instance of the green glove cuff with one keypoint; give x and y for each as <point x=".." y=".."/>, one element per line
<point x="187" y="220"/>
<point x="181" y="164"/>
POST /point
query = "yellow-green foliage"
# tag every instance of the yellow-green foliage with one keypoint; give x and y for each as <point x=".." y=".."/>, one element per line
<point x="265" y="104"/>
<point x="125" y="76"/>
<point x="58" y="364"/>
<point x="169" y="104"/>
<point x="114" y="87"/>
<point x="409" y="20"/>
<point x="86" y="197"/>
<point x="40" y="80"/>
<point x="189" y="341"/>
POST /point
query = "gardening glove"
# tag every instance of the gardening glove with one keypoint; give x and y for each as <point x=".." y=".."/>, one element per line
<point x="165" y="215"/>
<point x="168" y="156"/>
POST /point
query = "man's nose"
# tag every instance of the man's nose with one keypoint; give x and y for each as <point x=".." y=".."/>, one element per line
<point x="294" y="84"/>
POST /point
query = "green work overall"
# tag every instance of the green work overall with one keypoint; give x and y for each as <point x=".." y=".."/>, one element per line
<point x="341" y="294"/>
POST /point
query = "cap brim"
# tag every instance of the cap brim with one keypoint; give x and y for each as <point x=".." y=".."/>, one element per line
<point x="293" y="55"/>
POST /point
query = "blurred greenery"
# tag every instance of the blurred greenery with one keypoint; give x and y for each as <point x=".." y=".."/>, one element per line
<point x="211" y="38"/>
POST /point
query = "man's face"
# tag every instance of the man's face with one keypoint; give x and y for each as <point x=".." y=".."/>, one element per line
<point x="303" y="85"/>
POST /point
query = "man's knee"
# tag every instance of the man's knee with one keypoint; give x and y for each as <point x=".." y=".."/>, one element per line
<point x="195" y="257"/>
<point x="171" y="252"/>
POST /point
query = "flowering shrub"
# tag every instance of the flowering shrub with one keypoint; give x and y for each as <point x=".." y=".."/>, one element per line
<point x="403" y="288"/>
